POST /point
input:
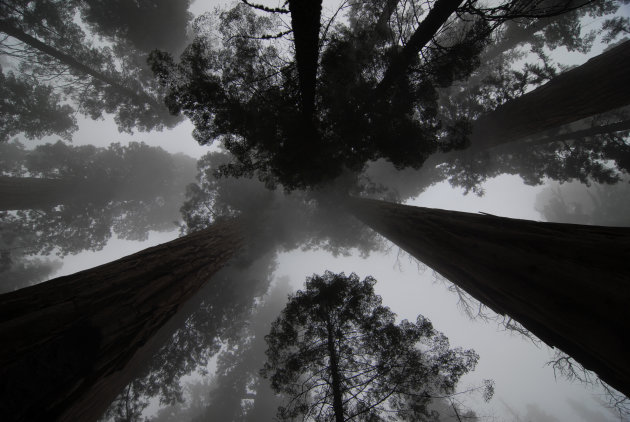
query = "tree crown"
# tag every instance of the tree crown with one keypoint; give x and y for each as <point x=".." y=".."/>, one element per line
<point x="338" y="354"/>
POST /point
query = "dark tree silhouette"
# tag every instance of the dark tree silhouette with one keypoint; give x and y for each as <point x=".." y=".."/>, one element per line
<point x="72" y="343"/>
<point x="373" y="99"/>
<point x="260" y="124"/>
<point x="337" y="354"/>
<point x="559" y="281"/>
<point x="305" y="22"/>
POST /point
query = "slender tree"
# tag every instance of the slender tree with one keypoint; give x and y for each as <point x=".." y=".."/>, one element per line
<point x="72" y="343"/>
<point x="560" y="281"/>
<point x="337" y="354"/>
<point x="46" y="44"/>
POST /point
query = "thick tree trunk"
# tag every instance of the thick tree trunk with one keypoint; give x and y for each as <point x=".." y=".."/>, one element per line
<point x="599" y="85"/>
<point x="305" y="22"/>
<point x="427" y="29"/>
<point x="69" y="345"/>
<point x="568" y="284"/>
<point x="9" y="28"/>
<point x="20" y="193"/>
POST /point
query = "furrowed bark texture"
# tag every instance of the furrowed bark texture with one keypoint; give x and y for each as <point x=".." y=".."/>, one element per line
<point x="568" y="284"/>
<point x="599" y="85"/>
<point x="19" y="193"/>
<point x="68" y="344"/>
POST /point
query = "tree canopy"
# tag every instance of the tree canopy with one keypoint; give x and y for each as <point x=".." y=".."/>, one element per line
<point x="66" y="62"/>
<point x="127" y="190"/>
<point x="337" y="354"/>
<point x="387" y="86"/>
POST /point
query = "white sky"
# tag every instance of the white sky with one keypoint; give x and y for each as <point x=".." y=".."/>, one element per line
<point x="523" y="382"/>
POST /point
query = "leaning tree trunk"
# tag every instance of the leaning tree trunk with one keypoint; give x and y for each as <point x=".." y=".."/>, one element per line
<point x="13" y="29"/>
<point x="568" y="284"/>
<point x="69" y="345"/>
<point x="599" y="85"/>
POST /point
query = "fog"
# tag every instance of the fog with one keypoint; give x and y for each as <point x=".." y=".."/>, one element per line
<point x="94" y="168"/>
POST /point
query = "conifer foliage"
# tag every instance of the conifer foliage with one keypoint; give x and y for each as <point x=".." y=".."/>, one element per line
<point x="338" y="354"/>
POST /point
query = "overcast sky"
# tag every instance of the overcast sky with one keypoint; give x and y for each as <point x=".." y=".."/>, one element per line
<point x="525" y="387"/>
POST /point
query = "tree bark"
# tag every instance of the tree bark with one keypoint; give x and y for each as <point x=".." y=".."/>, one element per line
<point x="70" y="345"/>
<point x="16" y="32"/>
<point x="305" y="22"/>
<point x="334" y="373"/>
<point x="599" y="85"/>
<point x="399" y="64"/>
<point x="567" y="284"/>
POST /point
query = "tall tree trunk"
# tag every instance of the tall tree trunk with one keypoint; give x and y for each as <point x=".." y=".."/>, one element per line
<point x="568" y="284"/>
<point x="20" y="193"/>
<point x="427" y="29"/>
<point x="334" y="373"/>
<point x="305" y="22"/>
<point x="69" y="345"/>
<point x="599" y="85"/>
<point x="11" y="29"/>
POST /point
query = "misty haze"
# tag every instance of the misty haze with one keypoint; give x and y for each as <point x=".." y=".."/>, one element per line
<point x="389" y="210"/>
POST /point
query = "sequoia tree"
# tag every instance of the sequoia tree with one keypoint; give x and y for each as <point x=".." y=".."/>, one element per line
<point x="565" y="283"/>
<point x="71" y="344"/>
<point x="600" y="85"/>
